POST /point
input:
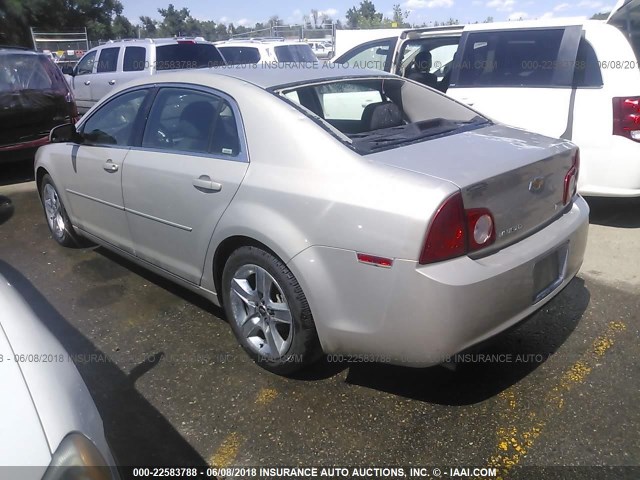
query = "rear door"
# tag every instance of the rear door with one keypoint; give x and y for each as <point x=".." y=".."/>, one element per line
<point x="106" y="76"/>
<point x="179" y="181"/>
<point x="522" y="76"/>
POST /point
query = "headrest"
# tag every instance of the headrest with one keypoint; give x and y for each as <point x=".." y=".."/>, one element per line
<point x="381" y="115"/>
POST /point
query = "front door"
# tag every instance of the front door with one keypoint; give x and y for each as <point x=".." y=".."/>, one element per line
<point x="178" y="184"/>
<point x="94" y="184"/>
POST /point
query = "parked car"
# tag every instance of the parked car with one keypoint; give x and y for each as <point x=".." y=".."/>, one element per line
<point x="105" y="67"/>
<point x="34" y="98"/>
<point x="320" y="49"/>
<point x="413" y="229"/>
<point x="566" y="78"/>
<point x="49" y="421"/>
<point x="238" y="52"/>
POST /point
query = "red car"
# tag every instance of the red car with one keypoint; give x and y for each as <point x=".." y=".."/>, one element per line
<point x="34" y="98"/>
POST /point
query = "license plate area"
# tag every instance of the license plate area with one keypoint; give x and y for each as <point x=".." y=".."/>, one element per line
<point x="549" y="272"/>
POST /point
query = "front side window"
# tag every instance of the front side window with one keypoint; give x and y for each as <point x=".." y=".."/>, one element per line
<point x="374" y="55"/>
<point x="113" y="123"/>
<point x="108" y="60"/>
<point x="373" y="114"/>
<point x="512" y="58"/>
<point x="85" y="66"/>
<point x="192" y="121"/>
<point x="240" y="55"/>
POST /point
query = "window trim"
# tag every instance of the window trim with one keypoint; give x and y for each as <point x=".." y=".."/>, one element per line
<point x="116" y="70"/>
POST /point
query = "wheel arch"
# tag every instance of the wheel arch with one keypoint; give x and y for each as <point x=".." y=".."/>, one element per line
<point x="224" y="251"/>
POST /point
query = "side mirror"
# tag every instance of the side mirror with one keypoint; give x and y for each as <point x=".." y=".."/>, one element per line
<point x="382" y="51"/>
<point x="68" y="70"/>
<point x="65" y="133"/>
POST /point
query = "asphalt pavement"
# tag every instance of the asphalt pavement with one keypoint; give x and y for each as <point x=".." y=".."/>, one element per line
<point x="173" y="387"/>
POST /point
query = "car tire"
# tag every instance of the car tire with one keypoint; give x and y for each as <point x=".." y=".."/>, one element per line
<point x="57" y="219"/>
<point x="268" y="311"/>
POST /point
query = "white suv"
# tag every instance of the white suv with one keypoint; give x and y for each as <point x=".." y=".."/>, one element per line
<point x="568" y="78"/>
<point x="239" y="52"/>
<point x="103" y="68"/>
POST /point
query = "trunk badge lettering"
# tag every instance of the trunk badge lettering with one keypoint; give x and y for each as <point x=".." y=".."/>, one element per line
<point x="536" y="185"/>
<point x="510" y="230"/>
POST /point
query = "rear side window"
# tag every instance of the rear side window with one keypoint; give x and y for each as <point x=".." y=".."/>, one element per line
<point x="511" y="58"/>
<point x="134" y="59"/>
<point x="191" y="121"/>
<point x="587" y="72"/>
<point x="187" y="55"/>
<point x="108" y="60"/>
<point x="240" y="55"/>
<point x="295" y="53"/>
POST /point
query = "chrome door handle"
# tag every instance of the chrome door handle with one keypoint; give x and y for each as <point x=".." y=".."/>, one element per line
<point x="205" y="183"/>
<point x="87" y="82"/>
<point x="110" y="167"/>
<point x="112" y="82"/>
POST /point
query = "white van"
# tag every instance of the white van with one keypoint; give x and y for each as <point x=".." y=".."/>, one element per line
<point x="104" y="68"/>
<point x="568" y="78"/>
<point x="253" y="51"/>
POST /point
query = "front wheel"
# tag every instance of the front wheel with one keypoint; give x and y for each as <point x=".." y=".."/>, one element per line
<point x="268" y="311"/>
<point x="57" y="219"/>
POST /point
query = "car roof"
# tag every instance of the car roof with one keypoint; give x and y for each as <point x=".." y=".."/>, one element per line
<point x="20" y="50"/>
<point x="267" y="77"/>
<point x="257" y="43"/>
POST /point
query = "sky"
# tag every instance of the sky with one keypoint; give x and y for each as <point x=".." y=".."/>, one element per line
<point x="292" y="11"/>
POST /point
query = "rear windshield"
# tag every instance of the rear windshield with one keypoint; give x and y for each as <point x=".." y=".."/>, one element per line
<point x="295" y="53"/>
<point x="187" y="55"/>
<point x="29" y="72"/>
<point x="240" y="55"/>
<point x="511" y="58"/>
<point x="373" y="114"/>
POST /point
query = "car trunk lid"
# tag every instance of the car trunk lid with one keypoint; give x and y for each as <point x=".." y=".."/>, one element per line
<point x="519" y="176"/>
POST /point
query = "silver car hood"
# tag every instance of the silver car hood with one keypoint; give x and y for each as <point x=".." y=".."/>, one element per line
<point x="56" y="395"/>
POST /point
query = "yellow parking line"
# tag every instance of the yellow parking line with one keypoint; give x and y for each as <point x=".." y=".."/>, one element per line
<point x="266" y="396"/>
<point x="227" y="452"/>
<point x="513" y="443"/>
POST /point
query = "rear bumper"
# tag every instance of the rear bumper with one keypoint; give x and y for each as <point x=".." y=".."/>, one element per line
<point x="420" y="315"/>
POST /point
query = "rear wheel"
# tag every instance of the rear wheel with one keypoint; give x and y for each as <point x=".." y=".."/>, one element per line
<point x="268" y="311"/>
<point x="56" y="215"/>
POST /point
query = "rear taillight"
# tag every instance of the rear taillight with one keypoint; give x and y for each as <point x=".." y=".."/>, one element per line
<point x="626" y="117"/>
<point x="571" y="179"/>
<point x="455" y="231"/>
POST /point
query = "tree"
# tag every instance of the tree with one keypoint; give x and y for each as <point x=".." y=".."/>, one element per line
<point x="399" y="17"/>
<point x="148" y="27"/>
<point x="16" y="16"/>
<point x="365" y="16"/>
<point x="174" y="22"/>
<point x="314" y="17"/>
<point x="600" y="16"/>
<point x="122" y="28"/>
<point x="488" y="20"/>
